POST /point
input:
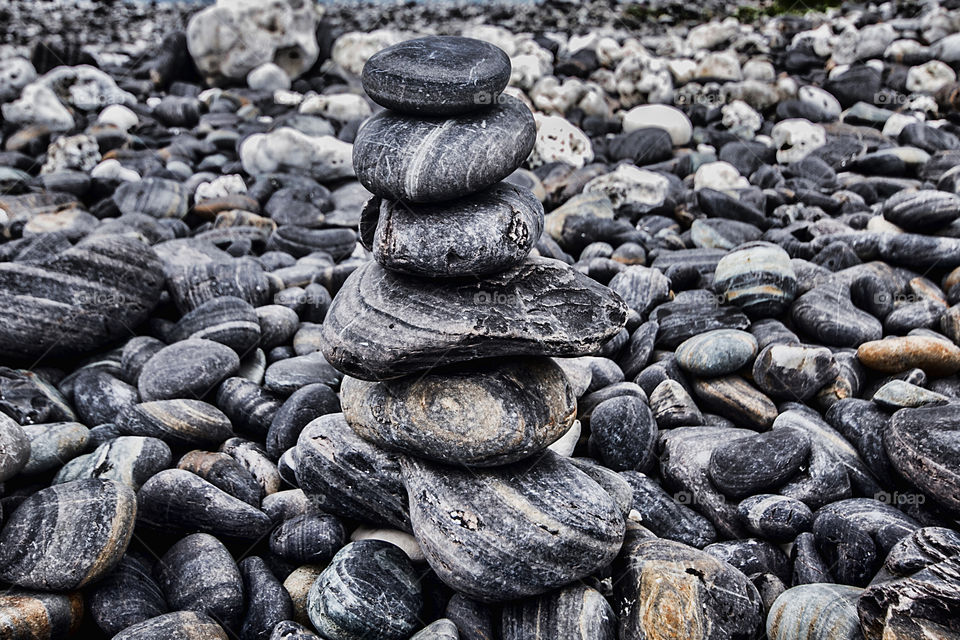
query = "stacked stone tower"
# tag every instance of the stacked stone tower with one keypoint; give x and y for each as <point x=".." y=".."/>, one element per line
<point x="447" y="336"/>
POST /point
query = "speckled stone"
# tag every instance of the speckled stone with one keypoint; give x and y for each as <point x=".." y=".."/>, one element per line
<point x="716" y="353"/>
<point x="383" y="325"/>
<point x="189" y="369"/>
<point x="895" y="354"/>
<point x="180" y="625"/>
<point x="267" y="602"/>
<point x="485" y="414"/>
<point x="511" y="531"/>
<point x="827" y="314"/>
<point x="303" y="405"/>
<point x="308" y="538"/>
<point x="199" y="574"/>
<point x="223" y="472"/>
<point x="130" y="460"/>
<point x="775" y="517"/>
<point x="899" y="394"/>
<point x="669" y="590"/>
<point x="67" y="536"/>
<point x="923" y="446"/>
<point x="577" y="612"/>
<point x="290" y="630"/>
<point x="437" y="75"/>
<point x="672" y="406"/>
<point x="179" y="501"/>
<point x="128" y="595"/>
<point x="348" y="476"/>
<point x="922" y="211"/>
<point x="29" y="615"/>
<point x="51" y="444"/>
<point x="402" y="157"/>
<point x="290" y="374"/>
<point x="479" y="234"/>
<point x="369" y="589"/>
<point x="442" y="629"/>
<point x="815" y="612"/>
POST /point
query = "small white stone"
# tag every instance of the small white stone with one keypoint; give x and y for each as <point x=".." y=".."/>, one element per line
<point x="720" y="175"/>
<point x="407" y="543"/>
<point x="112" y="170"/>
<point x="670" y="119"/>
<point x="38" y="105"/>
<point x="220" y="187"/>
<point x="794" y="138"/>
<point x="760" y="70"/>
<point x="929" y="77"/>
<point x="287" y="98"/>
<point x="324" y="157"/>
<point x="683" y="70"/>
<point x="712" y="34"/>
<point x="896" y="122"/>
<point x="594" y="102"/>
<point x="119" y="116"/>
<point x="268" y="77"/>
<point x="558" y="140"/>
<point x="720" y="65"/>
<point x="741" y="119"/>
<point x="79" y="152"/>
<point x="629" y="185"/>
<point x="86" y="88"/>
<point x="874" y="40"/>
<point x="530" y="63"/>
<point x="338" y="106"/>
<point x="565" y="445"/>
<point x="352" y="50"/>
<point x="15" y="74"/>
<point x="549" y="96"/>
<point x="822" y="100"/>
<point x="880" y="224"/>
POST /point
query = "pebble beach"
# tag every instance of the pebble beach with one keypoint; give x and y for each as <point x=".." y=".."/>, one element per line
<point x="548" y="320"/>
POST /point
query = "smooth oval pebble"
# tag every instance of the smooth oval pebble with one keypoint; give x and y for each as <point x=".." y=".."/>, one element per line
<point x="179" y="501"/>
<point x="736" y="399"/>
<point x="623" y="433"/>
<point x="486" y="414"/>
<point x="268" y="603"/>
<point x="227" y="320"/>
<point x="130" y="460"/>
<point x="14" y="448"/>
<point x="180" y="625"/>
<point x="758" y="463"/>
<point x="179" y="422"/>
<point x="51" y="444"/>
<point x="32" y="615"/>
<point x="827" y="314"/>
<point x="369" y="589"/>
<point x="576" y="612"/>
<point x="67" y="536"/>
<point x="923" y="446"/>
<point x="921" y="211"/>
<point x="401" y="157"/>
<point x="383" y="325"/>
<point x="189" y="369"/>
<point x="480" y="234"/>
<point x="157" y="197"/>
<point x="348" y="476"/>
<point x="896" y="354"/>
<point x="511" y="531"/>
<point x="716" y="353"/>
<point x="442" y="629"/>
<point x="199" y="574"/>
<point x="308" y="538"/>
<point x="774" y="517"/>
<point x="128" y="595"/>
<point x="794" y="372"/>
<point x="437" y="75"/>
<point x="225" y="473"/>
<point x="815" y="612"/>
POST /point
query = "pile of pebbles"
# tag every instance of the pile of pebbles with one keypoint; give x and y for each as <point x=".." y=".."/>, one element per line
<point x="489" y="335"/>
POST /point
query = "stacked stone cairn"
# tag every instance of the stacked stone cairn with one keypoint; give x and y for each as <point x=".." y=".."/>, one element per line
<point x="451" y="396"/>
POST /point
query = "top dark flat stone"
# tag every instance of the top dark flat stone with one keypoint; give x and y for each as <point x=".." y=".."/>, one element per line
<point x="437" y="75"/>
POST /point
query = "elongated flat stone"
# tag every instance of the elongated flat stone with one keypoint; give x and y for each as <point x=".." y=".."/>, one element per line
<point x="511" y="531"/>
<point x="479" y="234"/>
<point x="491" y="413"/>
<point x="401" y="157"/>
<point x="437" y="75"/>
<point x="383" y="325"/>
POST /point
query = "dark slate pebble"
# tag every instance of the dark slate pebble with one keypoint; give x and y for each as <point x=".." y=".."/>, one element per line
<point x="752" y="556"/>
<point x="827" y="315"/>
<point x="14" y="448"/>
<point x="808" y="566"/>
<point x="923" y="447"/>
<point x="511" y="531"/>
<point x="248" y="405"/>
<point x="225" y="473"/>
<point x="308" y="538"/>
<point x="623" y="433"/>
<point x="480" y="234"/>
<point x="369" y="589"/>
<point x="669" y="517"/>
<point x="402" y="157"/>
<point x="775" y="518"/>
<point x="179" y="422"/>
<point x="759" y="463"/>
<point x="189" y="369"/>
<point x="347" y="476"/>
<point x="199" y="574"/>
<point x="922" y="211"/>
<point x="99" y="396"/>
<point x="437" y="75"/>
<point x="304" y="405"/>
<point x="180" y="625"/>
<point x="577" y="611"/>
<point x="794" y="371"/>
<point x="130" y="460"/>
<point x="179" y="501"/>
<point x="268" y="603"/>
<point x="226" y="319"/>
<point x="128" y="595"/>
